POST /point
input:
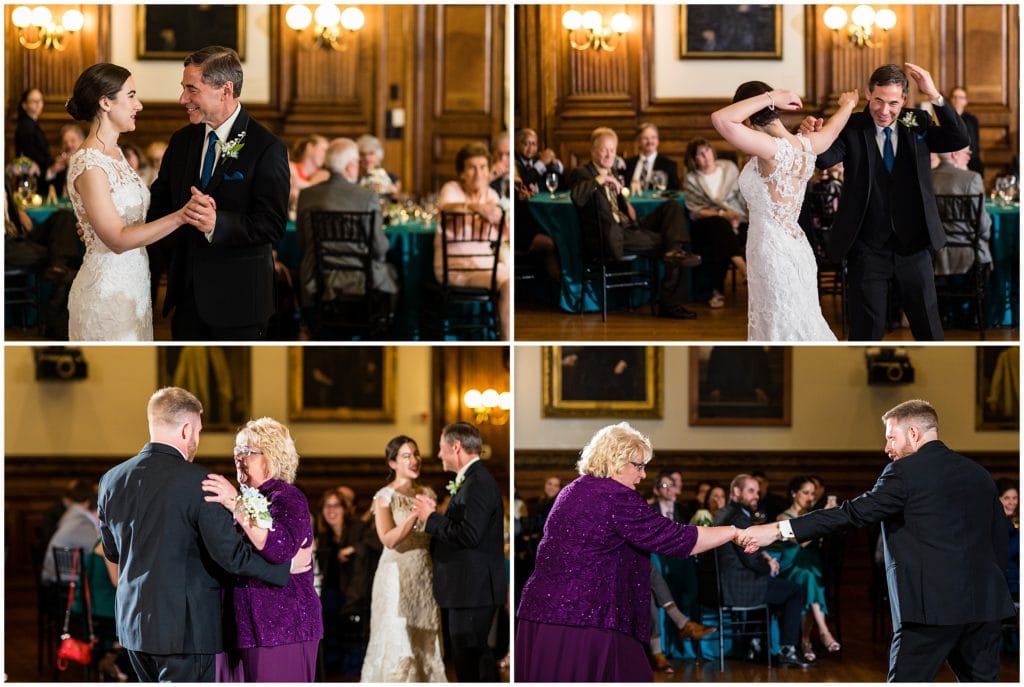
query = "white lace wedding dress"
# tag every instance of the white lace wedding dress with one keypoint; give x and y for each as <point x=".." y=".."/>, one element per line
<point x="782" y="274"/>
<point x="405" y="623"/>
<point x="109" y="299"/>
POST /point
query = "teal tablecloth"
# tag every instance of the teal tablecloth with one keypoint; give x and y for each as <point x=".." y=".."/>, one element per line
<point x="1003" y="293"/>
<point x="557" y="218"/>
<point x="41" y="213"/>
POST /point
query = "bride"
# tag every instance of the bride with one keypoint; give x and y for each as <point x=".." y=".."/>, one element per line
<point x="782" y="273"/>
<point x="109" y="299"/>
<point x="405" y="625"/>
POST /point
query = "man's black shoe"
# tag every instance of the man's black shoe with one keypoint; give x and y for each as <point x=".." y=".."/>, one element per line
<point x="788" y="656"/>
<point x="677" y="311"/>
<point x="683" y="258"/>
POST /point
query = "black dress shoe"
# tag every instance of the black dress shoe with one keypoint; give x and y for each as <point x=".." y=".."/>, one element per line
<point x="677" y="311"/>
<point x="682" y="258"/>
<point x="788" y="656"/>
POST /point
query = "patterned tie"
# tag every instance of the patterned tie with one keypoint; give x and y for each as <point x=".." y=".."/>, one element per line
<point x="211" y="155"/>
<point x="644" y="172"/>
<point x="888" y="156"/>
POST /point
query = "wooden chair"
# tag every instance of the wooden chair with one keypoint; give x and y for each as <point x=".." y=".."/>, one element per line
<point x="68" y="565"/>
<point x="734" y="622"/>
<point x="831" y="274"/>
<point x="961" y="219"/>
<point x="22" y="296"/>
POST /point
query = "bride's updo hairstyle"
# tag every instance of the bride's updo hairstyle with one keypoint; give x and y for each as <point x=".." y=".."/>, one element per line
<point x="103" y="80"/>
<point x="749" y="90"/>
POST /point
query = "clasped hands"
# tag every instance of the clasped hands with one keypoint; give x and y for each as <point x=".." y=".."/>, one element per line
<point x="756" y="537"/>
<point x="424" y="507"/>
<point x="200" y="211"/>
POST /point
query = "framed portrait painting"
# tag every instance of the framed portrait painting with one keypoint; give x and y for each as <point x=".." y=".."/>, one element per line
<point x="730" y="31"/>
<point x="997" y="388"/>
<point x="741" y="385"/>
<point x="341" y="384"/>
<point x="173" y="32"/>
<point x="602" y="381"/>
<point x="219" y="376"/>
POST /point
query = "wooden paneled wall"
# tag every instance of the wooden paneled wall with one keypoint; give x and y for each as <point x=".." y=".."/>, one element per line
<point x="565" y="93"/>
<point x="444" y="66"/>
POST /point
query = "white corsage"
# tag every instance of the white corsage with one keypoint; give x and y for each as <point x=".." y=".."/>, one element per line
<point x="230" y="149"/>
<point x="256" y="506"/>
<point x="908" y="120"/>
<point x="455" y="484"/>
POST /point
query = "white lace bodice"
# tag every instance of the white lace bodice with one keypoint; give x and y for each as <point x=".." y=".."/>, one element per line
<point x="782" y="274"/>
<point x="110" y="298"/>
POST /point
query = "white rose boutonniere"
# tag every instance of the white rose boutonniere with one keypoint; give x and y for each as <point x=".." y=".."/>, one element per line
<point x="908" y="120"/>
<point x="256" y="506"/>
<point x="455" y="484"/>
<point x="231" y="149"/>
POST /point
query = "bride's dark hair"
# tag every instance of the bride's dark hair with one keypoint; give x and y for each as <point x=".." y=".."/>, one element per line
<point x="391" y="451"/>
<point x="749" y="90"/>
<point x="103" y="80"/>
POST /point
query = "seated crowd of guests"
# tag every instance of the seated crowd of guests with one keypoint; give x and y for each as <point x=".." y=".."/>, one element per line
<point x="788" y="577"/>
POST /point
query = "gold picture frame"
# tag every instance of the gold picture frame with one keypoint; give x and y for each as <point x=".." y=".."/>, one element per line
<point x="219" y="376"/>
<point x="742" y="32"/>
<point x="602" y="381"/>
<point x="741" y="386"/>
<point x="173" y="32"/>
<point x="997" y="388"/>
<point x="341" y="383"/>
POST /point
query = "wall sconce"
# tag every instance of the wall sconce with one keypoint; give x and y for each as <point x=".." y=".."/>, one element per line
<point x="587" y="30"/>
<point x="863" y="20"/>
<point x="36" y="27"/>
<point x="331" y="26"/>
<point x="489" y="405"/>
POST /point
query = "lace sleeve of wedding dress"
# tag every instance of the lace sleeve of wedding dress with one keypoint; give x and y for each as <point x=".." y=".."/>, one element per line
<point x="383" y="496"/>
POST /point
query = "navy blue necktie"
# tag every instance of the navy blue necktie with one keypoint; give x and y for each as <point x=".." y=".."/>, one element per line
<point x="211" y="155"/>
<point x="888" y="156"/>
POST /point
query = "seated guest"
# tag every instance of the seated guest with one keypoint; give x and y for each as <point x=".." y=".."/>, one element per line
<point x="770" y="504"/>
<point x="697" y="502"/>
<point x="532" y="167"/>
<point x="71" y="139"/>
<point x="662" y="233"/>
<point x="714" y="501"/>
<point x="749" y="579"/>
<point x="500" y="167"/>
<point x="371" y="174"/>
<point x="1009" y="496"/>
<point x="79" y="528"/>
<point x="154" y="157"/>
<point x="101" y="576"/>
<point x="718" y="214"/>
<point x="307" y="165"/>
<point x="952" y="176"/>
<point x="531" y="170"/>
<point x="958" y="99"/>
<point x="340" y="193"/>
<point x="133" y="157"/>
<point x="638" y="176"/>
<point x="472" y="193"/>
<point x="661" y="598"/>
<point x="30" y="139"/>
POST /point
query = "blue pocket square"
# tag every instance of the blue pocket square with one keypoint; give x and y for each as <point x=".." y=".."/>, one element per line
<point x="234" y="176"/>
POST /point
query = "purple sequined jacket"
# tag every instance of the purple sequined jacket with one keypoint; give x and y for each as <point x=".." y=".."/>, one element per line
<point x="258" y="614"/>
<point x="593" y="563"/>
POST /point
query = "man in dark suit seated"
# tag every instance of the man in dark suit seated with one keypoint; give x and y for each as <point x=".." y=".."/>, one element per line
<point x="958" y="99"/>
<point x="662" y="233"/>
<point x="342" y="193"/>
<point x="749" y="579"/>
<point x="638" y="175"/>
<point x="530" y="173"/>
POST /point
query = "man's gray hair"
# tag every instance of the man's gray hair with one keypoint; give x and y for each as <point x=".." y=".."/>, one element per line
<point x="219" y="65"/>
<point x="341" y="152"/>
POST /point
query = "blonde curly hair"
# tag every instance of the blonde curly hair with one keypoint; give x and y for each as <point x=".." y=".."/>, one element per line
<point x="611" y="448"/>
<point x="274" y="439"/>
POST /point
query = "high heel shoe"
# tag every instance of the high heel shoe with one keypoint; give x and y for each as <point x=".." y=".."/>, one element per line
<point x="808" y="650"/>
<point x="108" y="670"/>
<point x="661" y="664"/>
<point x="829" y="642"/>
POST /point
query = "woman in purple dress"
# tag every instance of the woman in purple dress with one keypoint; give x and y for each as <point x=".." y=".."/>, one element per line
<point x="585" y="611"/>
<point x="271" y="634"/>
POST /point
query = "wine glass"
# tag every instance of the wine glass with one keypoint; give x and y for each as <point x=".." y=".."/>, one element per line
<point x="551" y="181"/>
<point x="1003" y="192"/>
<point x="659" y="180"/>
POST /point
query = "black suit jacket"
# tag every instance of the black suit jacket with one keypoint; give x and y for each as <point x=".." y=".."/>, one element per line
<point x="744" y="575"/>
<point x="661" y="163"/>
<point x="974" y="132"/>
<point x="857" y="149"/>
<point x="171" y="547"/>
<point x="467" y="544"/>
<point x="596" y="211"/>
<point x="945" y="537"/>
<point x="232" y="276"/>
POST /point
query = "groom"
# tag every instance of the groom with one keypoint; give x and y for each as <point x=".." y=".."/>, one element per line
<point x="221" y="281"/>
<point x="467" y="548"/>
<point x="887" y="225"/>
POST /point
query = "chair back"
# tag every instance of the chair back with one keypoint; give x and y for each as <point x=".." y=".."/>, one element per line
<point x="343" y="256"/>
<point x="469" y="245"/>
<point x="824" y="203"/>
<point x="961" y="219"/>
<point x="65" y="565"/>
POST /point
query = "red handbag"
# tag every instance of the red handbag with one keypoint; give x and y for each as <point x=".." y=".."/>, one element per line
<point x="71" y="649"/>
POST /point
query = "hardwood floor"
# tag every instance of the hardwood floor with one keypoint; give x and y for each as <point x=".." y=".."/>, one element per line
<point x="535" y="322"/>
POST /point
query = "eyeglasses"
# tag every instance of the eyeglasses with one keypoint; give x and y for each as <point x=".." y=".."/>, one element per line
<point x="245" y="451"/>
<point x="639" y="466"/>
<point x="665" y="485"/>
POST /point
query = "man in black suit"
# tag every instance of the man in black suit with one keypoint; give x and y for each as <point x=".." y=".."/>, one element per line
<point x="749" y="579"/>
<point x="221" y="281"/>
<point x="958" y="99"/>
<point x="597" y="193"/>
<point x="467" y="548"/>
<point x="640" y="167"/>
<point x="887" y="224"/>
<point x="945" y="550"/>
<point x="172" y="547"/>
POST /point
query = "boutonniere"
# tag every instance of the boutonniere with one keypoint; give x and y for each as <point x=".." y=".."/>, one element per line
<point x="455" y="484"/>
<point x="908" y="120"/>
<point x="256" y="506"/>
<point x="230" y="149"/>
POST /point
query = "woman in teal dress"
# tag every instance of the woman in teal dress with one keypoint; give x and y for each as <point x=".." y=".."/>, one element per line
<point x="801" y="564"/>
<point x="101" y="575"/>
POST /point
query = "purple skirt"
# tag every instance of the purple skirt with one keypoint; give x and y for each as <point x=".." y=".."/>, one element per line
<point x="286" y="663"/>
<point x="562" y="653"/>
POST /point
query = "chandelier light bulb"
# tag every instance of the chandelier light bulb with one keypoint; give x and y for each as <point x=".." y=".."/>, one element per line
<point x="41" y="17"/>
<point x="298" y="17"/>
<point x="21" y="17"/>
<point x="885" y="19"/>
<point x="571" y="20"/>
<point x="352" y="19"/>
<point x="621" y="23"/>
<point x="490" y="398"/>
<point x="835" y="17"/>
<point x="863" y="16"/>
<point x="73" y="20"/>
<point x="505" y="400"/>
<point x="472" y="398"/>
<point x="327" y="15"/>
<point x="592" y="20"/>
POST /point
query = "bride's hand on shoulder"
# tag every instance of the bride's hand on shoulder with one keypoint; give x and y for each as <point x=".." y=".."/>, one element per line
<point x="848" y="98"/>
<point x="786" y="99"/>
